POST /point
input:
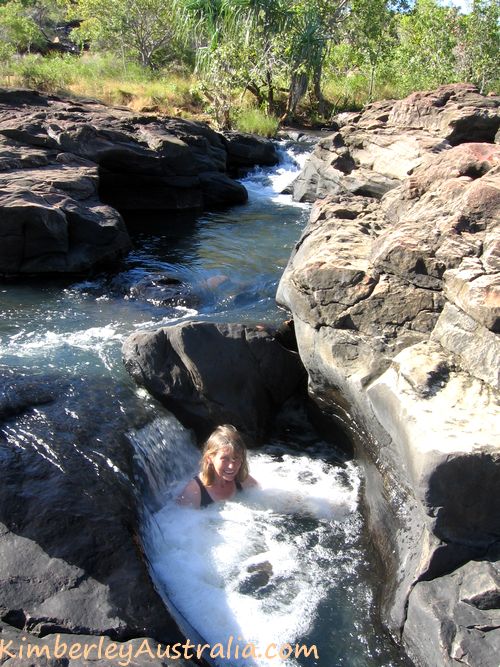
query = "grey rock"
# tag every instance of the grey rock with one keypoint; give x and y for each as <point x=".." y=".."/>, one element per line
<point x="447" y="623"/>
<point x="22" y="649"/>
<point x="70" y="554"/>
<point x="208" y="374"/>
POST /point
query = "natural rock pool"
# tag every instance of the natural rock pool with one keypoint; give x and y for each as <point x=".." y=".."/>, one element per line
<point x="287" y="563"/>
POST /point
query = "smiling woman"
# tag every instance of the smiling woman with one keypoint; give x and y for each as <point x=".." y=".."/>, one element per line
<point x="223" y="470"/>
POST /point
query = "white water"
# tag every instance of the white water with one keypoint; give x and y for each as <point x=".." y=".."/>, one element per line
<point x="256" y="567"/>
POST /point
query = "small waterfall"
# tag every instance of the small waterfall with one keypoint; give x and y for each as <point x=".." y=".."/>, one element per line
<point x="256" y="568"/>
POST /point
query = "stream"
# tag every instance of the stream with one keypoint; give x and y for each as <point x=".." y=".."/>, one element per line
<point x="287" y="563"/>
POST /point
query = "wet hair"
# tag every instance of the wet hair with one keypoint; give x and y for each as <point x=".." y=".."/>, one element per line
<point x="223" y="436"/>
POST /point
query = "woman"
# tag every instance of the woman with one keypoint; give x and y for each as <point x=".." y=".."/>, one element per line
<point x="223" y="470"/>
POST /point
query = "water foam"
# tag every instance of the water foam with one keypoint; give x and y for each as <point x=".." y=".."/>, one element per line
<point x="258" y="566"/>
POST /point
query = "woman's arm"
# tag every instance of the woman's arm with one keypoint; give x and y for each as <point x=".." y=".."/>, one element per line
<point x="190" y="496"/>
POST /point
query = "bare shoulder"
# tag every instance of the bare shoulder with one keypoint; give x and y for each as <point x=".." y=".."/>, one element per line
<point x="249" y="482"/>
<point x="190" y="496"/>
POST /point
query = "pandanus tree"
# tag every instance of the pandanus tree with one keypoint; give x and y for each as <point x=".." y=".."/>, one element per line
<point x="261" y="46"/>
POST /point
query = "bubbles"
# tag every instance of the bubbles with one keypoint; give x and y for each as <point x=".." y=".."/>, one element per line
<point x="258" y="566"/>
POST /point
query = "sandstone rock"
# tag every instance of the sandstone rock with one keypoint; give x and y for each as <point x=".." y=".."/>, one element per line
<point x="208" y="374"/>
<point x="381" y="146"/>
<point x="476" y="348"/>
<point x="457" y="112"/>
<point x="395" y="304"/>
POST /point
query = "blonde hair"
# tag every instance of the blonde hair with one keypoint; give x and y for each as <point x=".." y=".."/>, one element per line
<point x="223" y="436"/>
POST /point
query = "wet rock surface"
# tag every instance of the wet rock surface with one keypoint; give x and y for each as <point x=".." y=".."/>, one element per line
<point x="395" y="300"/>
<point x="70" y="168"/>
<point x="209" y="374"/>
<point x="70" y="555"/>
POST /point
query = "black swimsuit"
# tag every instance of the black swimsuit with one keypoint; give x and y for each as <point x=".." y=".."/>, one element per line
<point x="206" y="498"/>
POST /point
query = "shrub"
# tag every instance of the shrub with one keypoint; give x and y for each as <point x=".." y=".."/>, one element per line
<point x="256" y="121"/>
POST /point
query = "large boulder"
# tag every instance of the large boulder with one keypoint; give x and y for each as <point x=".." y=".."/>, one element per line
<point x="208" y="374"/>
<point x="396" y="308"/>
<point x="455" y="620"/>
<point x="373" y="151"/>
<point x="64" y="163"/>
<point x="71" y="559"/>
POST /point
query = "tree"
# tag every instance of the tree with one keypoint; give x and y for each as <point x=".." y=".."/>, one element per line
<point x="480" y="45"/>
<point x="141" y="29"/>
<point x="372" y="31"/>
<point x="428" y="37"/>
<point x="18" y="30"/>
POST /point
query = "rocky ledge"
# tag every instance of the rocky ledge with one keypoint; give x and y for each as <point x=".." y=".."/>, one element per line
<point x="69" y="170"/>
<point x="394" y="288"/>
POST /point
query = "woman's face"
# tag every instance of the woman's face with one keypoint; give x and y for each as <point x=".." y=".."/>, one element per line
<point x="226" y="463"/>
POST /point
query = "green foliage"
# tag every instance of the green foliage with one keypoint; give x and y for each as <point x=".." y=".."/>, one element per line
<point x="49" y="74"/>
<point x="140" y="29"/>
<point x="479" y="57"/>
<point x="17" y="29"/>
<point x="425" y="56"/>
<point x="256" y="121"/>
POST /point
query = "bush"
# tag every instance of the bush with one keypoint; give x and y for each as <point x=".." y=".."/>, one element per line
<point x="256" y="121"/>
<point x="48" y="74"/>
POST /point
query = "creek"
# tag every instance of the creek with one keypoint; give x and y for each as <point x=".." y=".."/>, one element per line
<point x="287" y="563"/>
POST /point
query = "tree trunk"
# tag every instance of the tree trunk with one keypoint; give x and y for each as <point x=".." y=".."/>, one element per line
<point x="297" y="90"/>
<point x="318" y="93"/>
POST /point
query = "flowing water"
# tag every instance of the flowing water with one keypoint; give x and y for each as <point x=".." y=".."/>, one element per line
<point x="285" y="563"/>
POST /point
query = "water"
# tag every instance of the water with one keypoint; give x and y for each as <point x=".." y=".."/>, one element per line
<point x="284" y="563"/>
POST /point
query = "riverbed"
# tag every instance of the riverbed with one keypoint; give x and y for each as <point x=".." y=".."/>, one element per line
<point x="287" y="563"/>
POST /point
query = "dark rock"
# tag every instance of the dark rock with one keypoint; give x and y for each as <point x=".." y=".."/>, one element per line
<point x="219" y="191"/>
<point x="208" y="374"/>
<point x="164" y="290"/>
<point x="22" y="649"/>
<point x="63" y="163"/>
<point x="455" y="620"/>
<point x="246" y="150"/>
<point x="70" y="554"/>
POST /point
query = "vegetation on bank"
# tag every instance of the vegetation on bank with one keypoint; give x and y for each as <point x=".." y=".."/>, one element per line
<point x="249" y="64"/>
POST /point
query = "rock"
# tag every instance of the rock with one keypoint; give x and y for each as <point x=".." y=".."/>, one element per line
<point x="70" y="555"/>
<point x="457" y="112"/>
<point x="52" y="233"/>
<point x="246" y="150"/>
<point x="218" y="191"/>
<point x="65" y="163"/>
<point x="395" y="300"/>
<point x="209" y="374"/>
<point x="455" y="620"/>
<point x="20" y="649"/>
<point x="164" y="290"/>
<point x="375" y="150"/>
